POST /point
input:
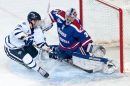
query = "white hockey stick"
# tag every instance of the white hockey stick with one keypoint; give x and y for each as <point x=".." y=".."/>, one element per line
<point x="49" y="26"/>
<point x="48" y="7"/>
<point x="39" y="59"/>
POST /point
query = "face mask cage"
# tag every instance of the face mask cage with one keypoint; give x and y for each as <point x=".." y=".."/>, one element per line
<point x="36" y="23"/>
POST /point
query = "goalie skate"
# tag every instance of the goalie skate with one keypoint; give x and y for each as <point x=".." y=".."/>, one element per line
<point x="109" y="68"/>
<point x="43" y="72"/>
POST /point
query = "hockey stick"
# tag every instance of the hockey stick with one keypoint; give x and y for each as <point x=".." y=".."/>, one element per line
<point x="48" y="7"/>
<point x="49" y="26"/>
<point x="39" y="59"/>
<point x="89" y="71"/>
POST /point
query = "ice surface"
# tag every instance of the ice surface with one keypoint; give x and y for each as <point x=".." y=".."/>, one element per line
<point x="60" y="73"/>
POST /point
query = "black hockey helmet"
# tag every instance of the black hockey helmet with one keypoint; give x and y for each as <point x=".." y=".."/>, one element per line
<point x="33" y="16"/>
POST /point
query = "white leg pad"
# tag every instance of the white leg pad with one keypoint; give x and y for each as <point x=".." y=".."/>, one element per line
<point x="88" y="64"/>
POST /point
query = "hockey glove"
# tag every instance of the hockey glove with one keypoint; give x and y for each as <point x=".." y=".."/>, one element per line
<point x="53" y="55"/>
<point x="28" y="40"/>
<point x="51" y="51"/>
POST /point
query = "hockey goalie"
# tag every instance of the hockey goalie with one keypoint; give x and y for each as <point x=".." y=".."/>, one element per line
<point x="75" y="44"/>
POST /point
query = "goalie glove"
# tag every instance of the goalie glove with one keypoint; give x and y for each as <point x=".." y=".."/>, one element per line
<point x="47" y="28"/>
<point x="96" y="50"/>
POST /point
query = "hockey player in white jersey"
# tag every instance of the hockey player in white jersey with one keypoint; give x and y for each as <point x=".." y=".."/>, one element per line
<point x="75" y="43"/>
<point x="19" y="44"/>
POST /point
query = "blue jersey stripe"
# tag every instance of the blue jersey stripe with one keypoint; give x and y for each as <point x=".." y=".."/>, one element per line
<point x="18" y="33"/>
<point x="71" y="12"/>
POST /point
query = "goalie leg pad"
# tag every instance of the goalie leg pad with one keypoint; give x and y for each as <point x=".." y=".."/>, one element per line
<point x="87" y="56"/>
<point x="88" y="64"/>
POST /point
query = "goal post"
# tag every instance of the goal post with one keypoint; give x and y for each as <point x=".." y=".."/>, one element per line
<point x="120" y="30"/>
<point x="105" y="14"/>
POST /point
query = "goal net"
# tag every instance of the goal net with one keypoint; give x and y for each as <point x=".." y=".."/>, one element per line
<point x="108" y="24"/>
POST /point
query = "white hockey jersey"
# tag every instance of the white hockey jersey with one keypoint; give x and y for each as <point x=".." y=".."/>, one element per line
<point x="13" y="40"/>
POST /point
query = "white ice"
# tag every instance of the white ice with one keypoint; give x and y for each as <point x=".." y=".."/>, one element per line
<point x="13" y="11"/>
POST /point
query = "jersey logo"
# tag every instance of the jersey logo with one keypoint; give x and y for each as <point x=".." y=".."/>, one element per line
<point x="24" y="23"/>
<point x="58" y="20"/>
<point x="19" y="52"/>
<point x="81" y="29"/>
<point x="19" y="25"/>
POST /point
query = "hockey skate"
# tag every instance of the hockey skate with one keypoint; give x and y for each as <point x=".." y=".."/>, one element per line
<point x="43" y="72"/>
<point x="109" y="68"/>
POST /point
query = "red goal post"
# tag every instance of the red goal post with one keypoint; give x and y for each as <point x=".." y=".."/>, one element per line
<point x="120" y="26"/>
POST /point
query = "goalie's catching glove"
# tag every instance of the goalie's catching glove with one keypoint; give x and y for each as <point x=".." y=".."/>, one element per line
<point x="47" y="28"/>
<point x="96" y="50"/>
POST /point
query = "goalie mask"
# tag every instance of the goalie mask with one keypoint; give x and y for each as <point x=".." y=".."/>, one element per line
<point x="70" y="16"/>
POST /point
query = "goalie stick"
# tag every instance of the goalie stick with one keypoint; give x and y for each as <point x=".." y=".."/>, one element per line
<point x="49" y="26"/>
<point x="41" y="63"/>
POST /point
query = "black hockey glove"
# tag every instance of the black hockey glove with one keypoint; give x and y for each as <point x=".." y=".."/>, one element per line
<point x="53" y="55"/>
<point x="28" y="41"/>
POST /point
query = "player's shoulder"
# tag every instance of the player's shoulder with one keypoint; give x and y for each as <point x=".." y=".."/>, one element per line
<point x="59" y="13"/>
<point x="76" y="23"/>
<point x="23" y="24"/>
<point x="62" y="13"/>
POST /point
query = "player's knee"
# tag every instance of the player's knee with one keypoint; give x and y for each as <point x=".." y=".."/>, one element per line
<point x="62" y="54"/>
<point x="27" y="59"/>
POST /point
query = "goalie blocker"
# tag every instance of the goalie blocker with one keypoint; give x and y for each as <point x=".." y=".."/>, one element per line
<point x="86" y="62"/>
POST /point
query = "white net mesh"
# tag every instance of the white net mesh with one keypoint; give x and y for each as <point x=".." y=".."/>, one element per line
<point x="102" y="24"/>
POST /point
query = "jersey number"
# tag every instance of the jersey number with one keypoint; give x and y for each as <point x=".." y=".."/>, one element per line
<point x="86" y="34"/>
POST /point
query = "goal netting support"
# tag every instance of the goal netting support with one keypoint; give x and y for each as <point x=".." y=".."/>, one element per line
<point x="108" y="24"/>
